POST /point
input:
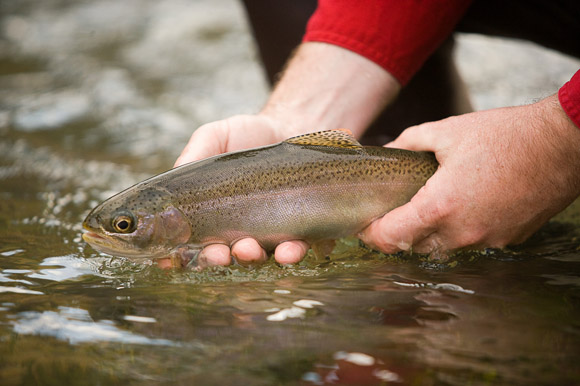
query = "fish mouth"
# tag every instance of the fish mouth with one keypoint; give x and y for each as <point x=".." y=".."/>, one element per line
<point x="100" y="243"/>
<point x="110" y="246"/>
<point x="90" y="237"/>
<point x="116" y="248"/>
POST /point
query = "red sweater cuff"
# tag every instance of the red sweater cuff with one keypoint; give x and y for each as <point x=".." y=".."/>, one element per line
<point x="569" y="96"/>
<point x="397" y="35"/>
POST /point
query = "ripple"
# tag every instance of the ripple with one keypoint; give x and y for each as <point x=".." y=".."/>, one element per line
<point x="20" y="290"/>
<point x="66" y="268"/>
<point x="75" y="325"/>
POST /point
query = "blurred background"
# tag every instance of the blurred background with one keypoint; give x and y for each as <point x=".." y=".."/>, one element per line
<point x="128" y="82"/>
<point x="98" y="95"/>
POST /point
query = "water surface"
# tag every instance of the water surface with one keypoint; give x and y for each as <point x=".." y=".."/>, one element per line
<point x="97" y="95"/>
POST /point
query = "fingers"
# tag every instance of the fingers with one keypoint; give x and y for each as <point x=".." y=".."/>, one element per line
<point x="414" y="138"/>
<point x="426" y="137"/>
<point x="248" y="251"/>
<point x="165" y="263"/>
<point x="208" y="140"/>
<point x="403" y="228"/>
<point x="234" y="133"/>
<point x="245" y="251"/>
<point x="414" y="225"/>
<point x="291" y="252"/>
<point x="215" y="254"/>
<point x="395" y="231"/>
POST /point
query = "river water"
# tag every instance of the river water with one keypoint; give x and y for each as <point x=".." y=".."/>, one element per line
<point x="97" y="95"/>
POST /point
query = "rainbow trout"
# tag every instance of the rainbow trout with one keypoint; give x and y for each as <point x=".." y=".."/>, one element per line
<point x="315" y="187"/>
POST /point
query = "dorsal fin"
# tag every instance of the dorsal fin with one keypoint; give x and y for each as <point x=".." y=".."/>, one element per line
<point x="332" y="138"/>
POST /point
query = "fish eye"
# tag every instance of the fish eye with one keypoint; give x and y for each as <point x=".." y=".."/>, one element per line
<point x="123" y="223"/>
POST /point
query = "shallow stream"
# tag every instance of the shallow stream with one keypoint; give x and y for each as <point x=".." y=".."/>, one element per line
<point x="97" y="95"/>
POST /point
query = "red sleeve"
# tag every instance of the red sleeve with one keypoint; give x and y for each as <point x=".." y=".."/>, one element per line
<point x="569" y="96"/>
<point x="398" y="35"/>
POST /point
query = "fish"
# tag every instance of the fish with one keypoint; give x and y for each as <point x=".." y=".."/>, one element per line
<point x="315" y="187"/>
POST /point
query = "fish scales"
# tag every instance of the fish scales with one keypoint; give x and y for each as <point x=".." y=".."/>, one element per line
<point x="303" y="190"/>
<point x="309" y="189"/>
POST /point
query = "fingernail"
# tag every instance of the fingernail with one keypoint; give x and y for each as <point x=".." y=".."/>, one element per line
<point x="403" y="245"/>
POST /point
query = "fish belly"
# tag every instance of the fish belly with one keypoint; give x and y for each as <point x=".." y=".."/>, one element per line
<point x="310" y="213"/>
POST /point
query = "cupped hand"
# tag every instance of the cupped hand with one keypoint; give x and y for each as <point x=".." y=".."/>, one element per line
<point x="248" y="251"/>
<point x="503" y="173"/>
<point x="238" y="133"/>
<point x="323" y="87"/>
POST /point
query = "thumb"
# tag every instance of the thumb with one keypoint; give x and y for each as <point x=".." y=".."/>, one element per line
<point x="210" y="139"/>
<point x="419" y="138"/>
<point x="403" y="227"/>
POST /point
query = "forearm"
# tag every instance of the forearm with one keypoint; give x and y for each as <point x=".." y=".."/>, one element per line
<point x="327" y="87"/>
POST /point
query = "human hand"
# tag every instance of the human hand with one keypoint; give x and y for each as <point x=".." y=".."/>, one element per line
<point x="503" y="173"/>
<point x="237" y="133"/>
<point x="323" y="87"/>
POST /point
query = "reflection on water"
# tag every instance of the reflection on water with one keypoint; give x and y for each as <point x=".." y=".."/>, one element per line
<point x="358" y="319"/>
<point x="75" y="325"/>
<point x="97" y="95"/>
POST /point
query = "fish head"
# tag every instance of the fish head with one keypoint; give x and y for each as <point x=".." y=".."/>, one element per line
<point x="140" y="223"/>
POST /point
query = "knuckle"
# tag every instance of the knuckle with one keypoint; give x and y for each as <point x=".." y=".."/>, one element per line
<point x="437" y="212"/>
<point x="382" y="243"/>
<point x="473" y="236"/>
<point x="386" y="247"/>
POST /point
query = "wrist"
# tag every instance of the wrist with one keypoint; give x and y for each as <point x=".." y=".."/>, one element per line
<point x="562" y="126"/>
<point x="563" y="136"/>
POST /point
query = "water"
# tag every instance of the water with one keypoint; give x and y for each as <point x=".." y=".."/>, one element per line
<point x="97" y="95"/>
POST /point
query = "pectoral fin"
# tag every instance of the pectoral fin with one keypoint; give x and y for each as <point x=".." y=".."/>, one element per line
<point x="184" y="256"/>
<point x="322" y="249"/>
